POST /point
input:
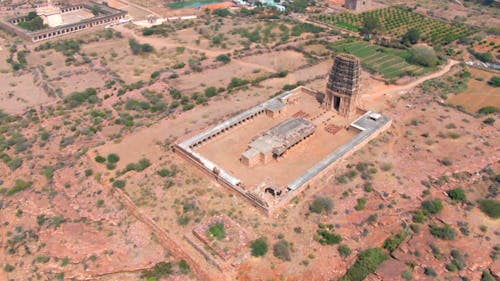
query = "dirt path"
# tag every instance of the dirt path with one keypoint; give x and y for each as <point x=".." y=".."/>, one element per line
<point x="395" y="89"/>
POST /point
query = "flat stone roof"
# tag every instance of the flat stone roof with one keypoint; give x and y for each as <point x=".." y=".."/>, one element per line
<point x="284" y="135"/>
<point x="275" y="105"/>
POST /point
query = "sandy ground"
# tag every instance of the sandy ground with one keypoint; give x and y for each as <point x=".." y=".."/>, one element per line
<point x="479" y="94"/>
<point x="20" y="93"/>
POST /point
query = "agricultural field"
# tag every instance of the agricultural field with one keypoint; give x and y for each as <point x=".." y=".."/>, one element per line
<point x="390" y="63"/>
<point x="396" y="21"/>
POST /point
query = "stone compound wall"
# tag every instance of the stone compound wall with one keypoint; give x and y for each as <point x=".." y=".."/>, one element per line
<point x="109" y="16"/>
<point x="185" y="148"/>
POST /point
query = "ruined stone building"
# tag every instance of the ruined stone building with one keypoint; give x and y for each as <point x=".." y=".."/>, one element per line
<point x="277" y="140"/>
<point x="342" y="88"/>
<point x="356" y="4"/>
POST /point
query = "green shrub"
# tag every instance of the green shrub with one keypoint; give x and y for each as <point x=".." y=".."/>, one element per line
<point x="138" y="48"/>
<point x="490" y="207"/>
<point x="328" y="237"/>
<point x="445" y="233"/>
<point x="494" y="81"/>
<point x="33" y="22"/>
<point x="88" y="172"/>
<point x="100" y="159"/>
<point x="433" y="206"/>
<point x="15" y="163"/>
<point x="19" y="186"/>
<point x="8" y="268"/>
<point x="222" y="12"/>
<point x="259" y="247"/>
<point x="489" y="120"/>
<point x="429" y="271"/>
<point x="139" y="166"/>
<point x="167" y="173"/>
<point x="407" y="275"/>
<point x="393" y="242"/>
<point x="321" y="204"/>
<point x="110" y="166"/>
<point x="488" y="110"/>
<point x="457" y="194"/>
<point x="423" y="55"/>
<point x="119" y="183"/>
<point x="344" y="250"/>
<point x="367" y="262"/>
<point x="281" y="250"/>
<point x="183" y="220"/>
<point x="184" y="267"/>
<point x="361" y="204"/>
<point x="210" y="92"/>
<point x="160" y="270"/>
<point x="236" y="82"/>
<point x="113" y="158"/>
<point x="486" y="276"/>
<point x="78" y="98"/>
<point x="217" y="230"/>
<point x="223" y="58"/>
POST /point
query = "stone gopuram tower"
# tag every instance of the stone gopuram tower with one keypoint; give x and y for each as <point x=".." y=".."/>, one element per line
<point x="342" y="88"/>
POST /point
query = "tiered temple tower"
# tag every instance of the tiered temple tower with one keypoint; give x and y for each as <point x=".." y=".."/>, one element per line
<point x="342" y="88"/>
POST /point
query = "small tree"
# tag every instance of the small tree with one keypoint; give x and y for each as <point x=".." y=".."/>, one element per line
<point x="433" y="206"/>
<point x="423" y="55"/>
<point x="490" y="207"/>
<point x="445" y="233"/>
<point x="411" y="36"/>
<point x="223" y="58"/>
<point x="457" y="194"/>
<point x="494" y="81"/>
<point x="370" y="24"/>
<point x="259" y="247"/>
<point x="321" y="204"/>
<point x="113" y="158"/>
<point x="222" y="12"/>
<point x="344" y="250"/>
<point x="281" y="250"/>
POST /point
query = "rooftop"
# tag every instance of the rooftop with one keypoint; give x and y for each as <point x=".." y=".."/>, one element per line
<point x="284" y="135"/>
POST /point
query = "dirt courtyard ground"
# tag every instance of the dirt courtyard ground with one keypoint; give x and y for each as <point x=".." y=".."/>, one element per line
<point x="226" y="149"/>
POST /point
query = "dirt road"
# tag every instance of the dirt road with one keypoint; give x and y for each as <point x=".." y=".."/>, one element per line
<point x="401" y="89"/>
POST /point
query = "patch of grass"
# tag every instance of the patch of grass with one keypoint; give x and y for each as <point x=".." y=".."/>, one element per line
<point x="217" y="230"/>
